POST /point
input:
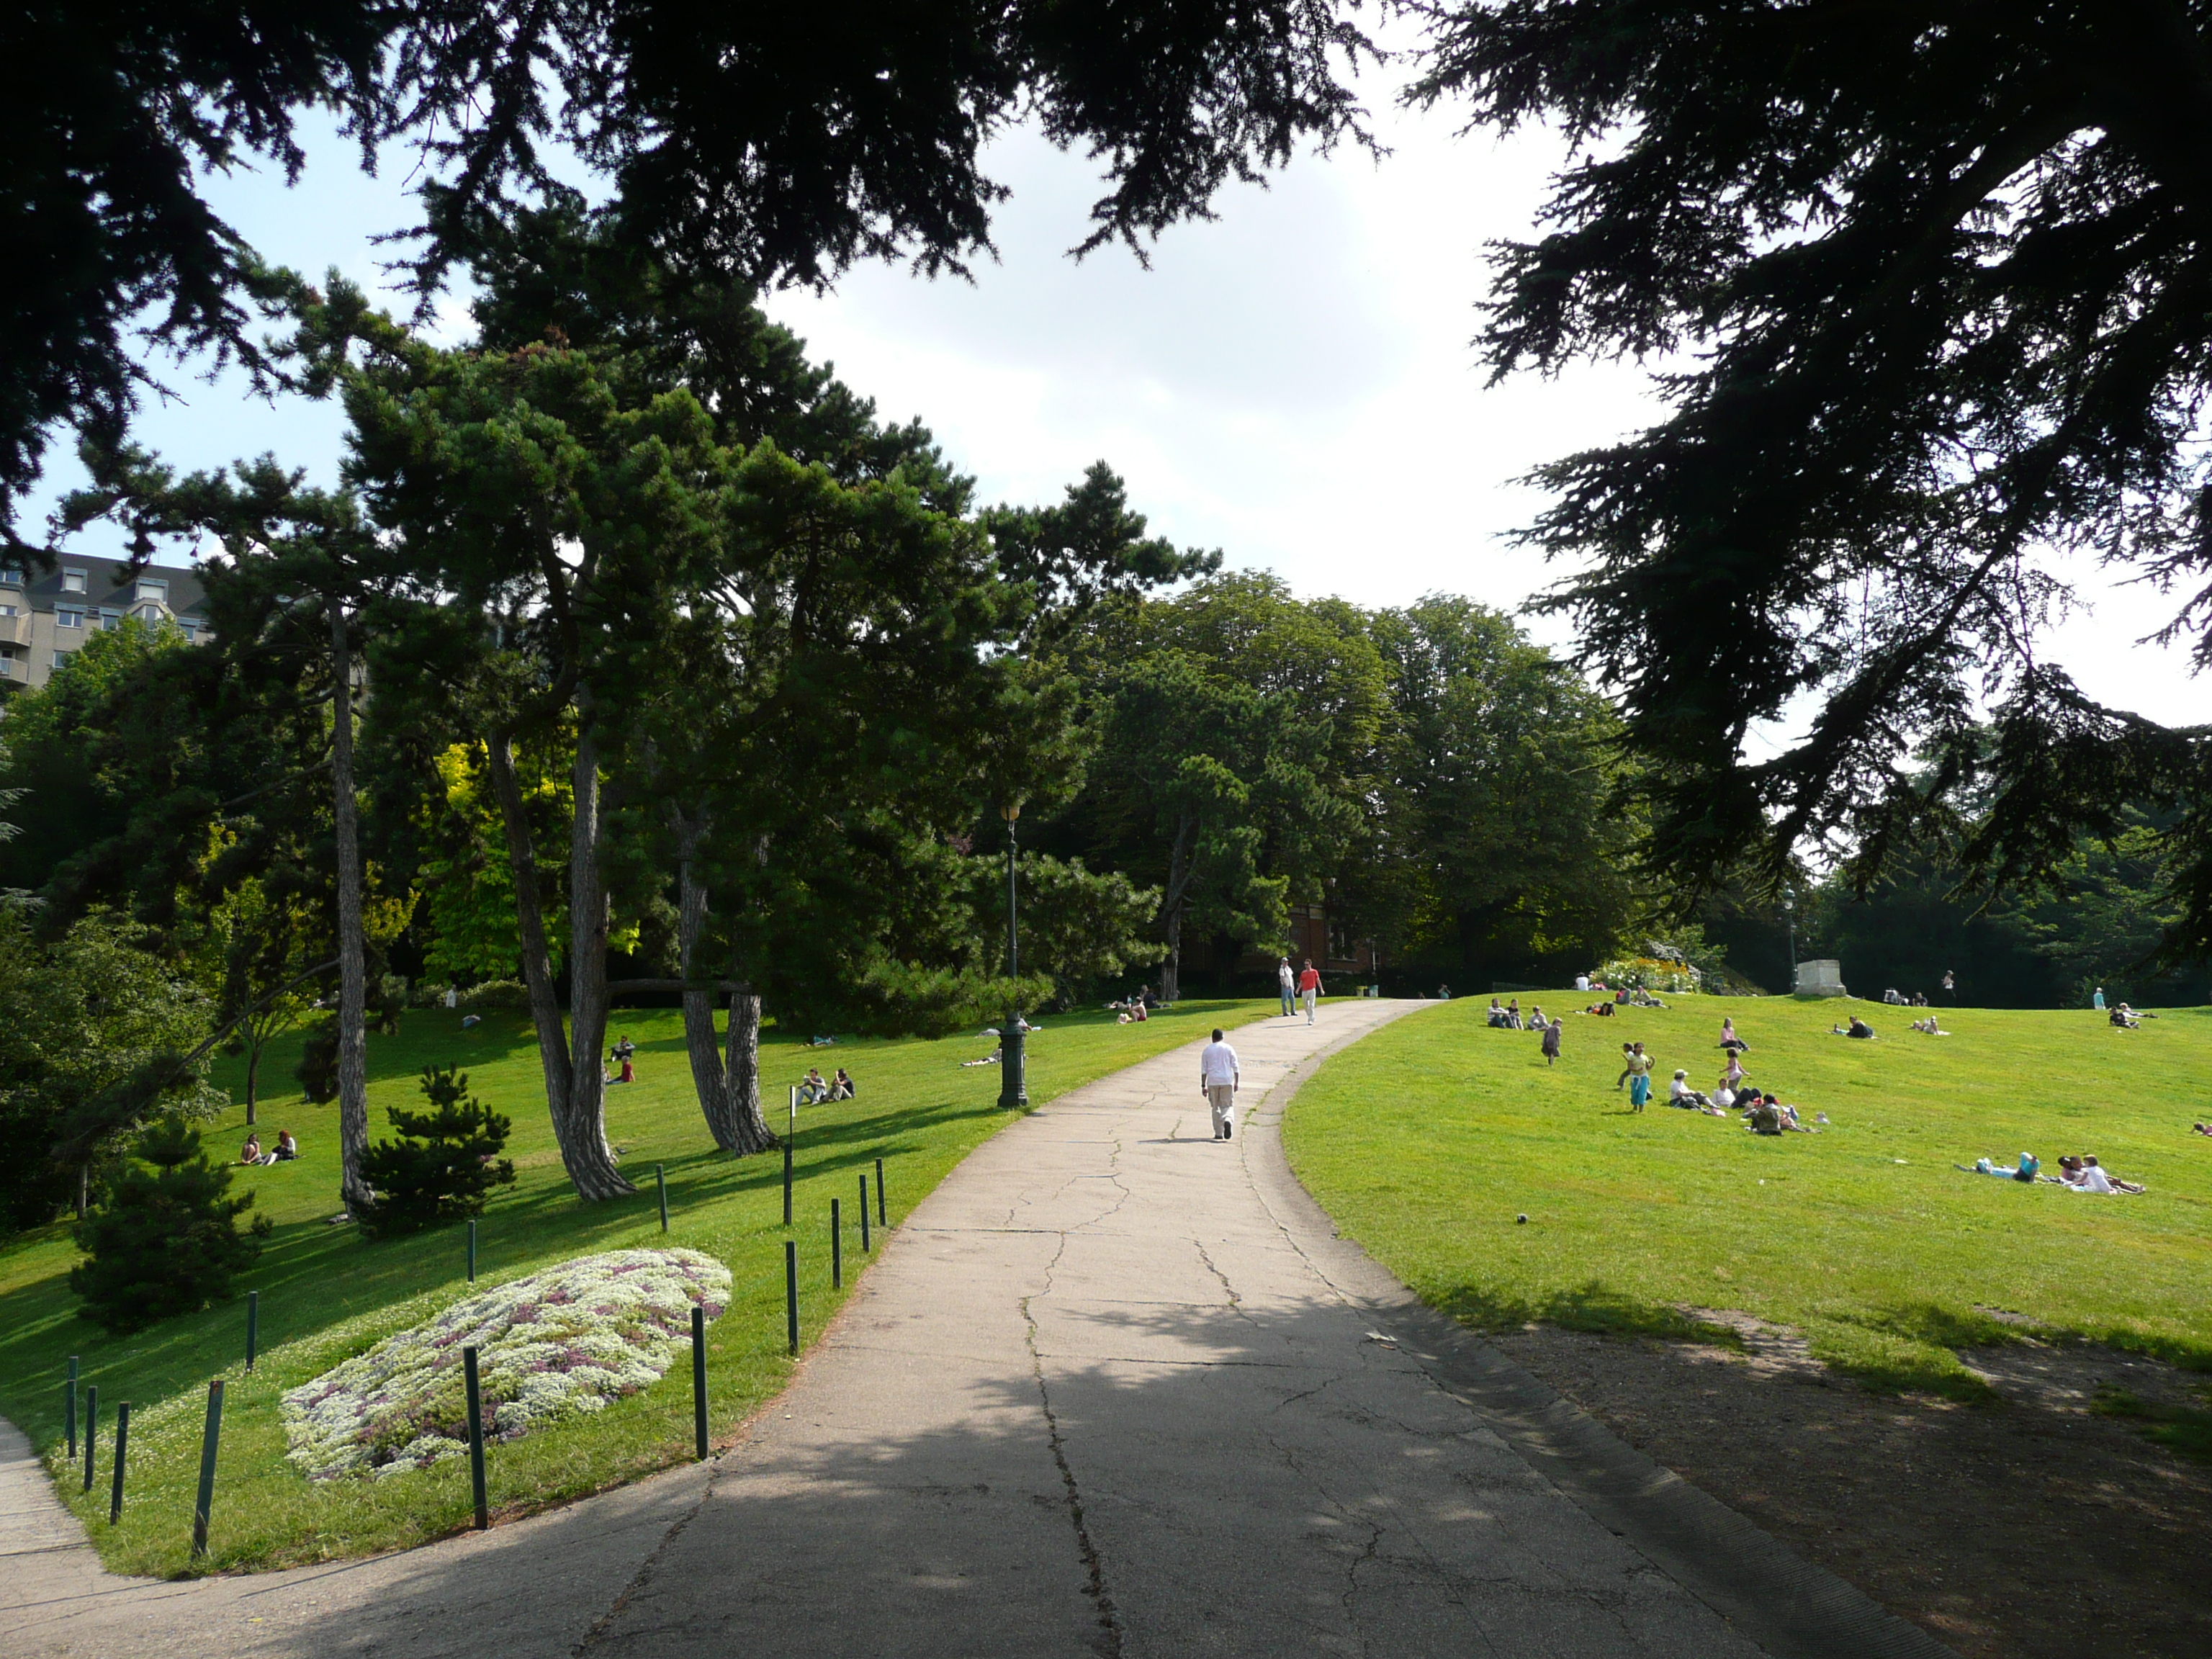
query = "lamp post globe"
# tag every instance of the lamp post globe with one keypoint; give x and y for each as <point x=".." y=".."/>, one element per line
<point x="1013" y="1083"/>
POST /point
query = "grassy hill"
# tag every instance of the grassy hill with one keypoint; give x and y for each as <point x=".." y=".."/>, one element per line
<point x="1427" y="1140"/>
<point x="326" y="1293"/>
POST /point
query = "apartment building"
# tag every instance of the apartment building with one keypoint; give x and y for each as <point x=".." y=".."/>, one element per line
<point x="46" y="615"/>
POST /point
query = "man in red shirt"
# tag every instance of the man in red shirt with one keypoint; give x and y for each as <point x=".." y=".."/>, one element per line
<point x="1309" y="988"/>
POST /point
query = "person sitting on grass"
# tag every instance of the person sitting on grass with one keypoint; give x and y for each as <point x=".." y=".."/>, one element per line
<point x="2083" y="1174"/>
<point x="1494" y="1017"/>
<point x="815" y="1088"/>
<point x="1729" y="1040"/>
<point x="287" y="1148"/>
<point x="1537" y="1020"/>
<point x="1513" y="1015"/>
<point x="250" y="1153"/>
<point x="1680" y="1093"/>
<point x="841" y="1086"/>
<point x="1725" y="1093"/>
<point x="2122" y="1017"/>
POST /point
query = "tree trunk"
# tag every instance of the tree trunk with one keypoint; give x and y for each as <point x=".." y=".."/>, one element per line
<point x="353" y="968"/>
<point x="729" y="1098"/>
<point x="584" y="1150"/>
<point x="252" y="1073"/>
<point x="529" y="929"/>
<point x="1171" y="970"/>
<point x="741" y="1084"/>
<point x="1171" y="906"/>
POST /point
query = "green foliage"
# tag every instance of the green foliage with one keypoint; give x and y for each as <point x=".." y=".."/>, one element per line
<point x="1494" y="845"/>
<point x="164" y="1239"/>
<point x="1078" y="925"/>
<point x="736" y="144"/>
<point x="1920" y="289"/>
<point x="445" y="1163"/>
<point x="92" y="1027"/>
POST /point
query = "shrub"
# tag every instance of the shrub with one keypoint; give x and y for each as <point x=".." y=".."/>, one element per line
<point x="496" y="993"/>
<point x="445" y="1163"/>
<point x="164" y="1239"/>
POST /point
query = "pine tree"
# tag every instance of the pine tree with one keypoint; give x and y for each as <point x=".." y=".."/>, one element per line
<point x="165" y="1241"/>
<point x="446" y="1162"/>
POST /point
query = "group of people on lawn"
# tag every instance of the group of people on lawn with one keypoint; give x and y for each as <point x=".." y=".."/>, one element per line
<point x="1763" y="1112"/>
<point x="283" y="1152"/>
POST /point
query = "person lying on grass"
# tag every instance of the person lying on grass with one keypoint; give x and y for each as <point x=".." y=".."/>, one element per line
<point x="1858" y="1028"/>
<point x="2024" y="1172"/>
<point x="1602" y="1009"/>
<point x="2082" y="1175"/>
<point x="1927" y="1027"/>
<point x="2202" y="1129"/>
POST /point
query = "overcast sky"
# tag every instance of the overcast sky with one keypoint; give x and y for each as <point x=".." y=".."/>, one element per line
<point x="1292" y="382"/>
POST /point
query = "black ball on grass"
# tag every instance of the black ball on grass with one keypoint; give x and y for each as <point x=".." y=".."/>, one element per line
<point x="1521" y="1220"/>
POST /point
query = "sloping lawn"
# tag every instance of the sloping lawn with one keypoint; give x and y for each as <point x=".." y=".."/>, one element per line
<point x="326" y="1293"/>
<point x="1426" y="1141"/>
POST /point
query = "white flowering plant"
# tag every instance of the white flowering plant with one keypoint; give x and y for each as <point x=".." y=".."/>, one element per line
<point x="563" y="1341"/>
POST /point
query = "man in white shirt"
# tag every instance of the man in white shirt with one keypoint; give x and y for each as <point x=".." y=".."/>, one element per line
<point x="1287" y="982"/>
<point x="1218" y="1079"/>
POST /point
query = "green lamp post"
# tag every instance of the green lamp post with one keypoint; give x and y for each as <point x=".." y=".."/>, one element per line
<point x="1014" y="1086"/>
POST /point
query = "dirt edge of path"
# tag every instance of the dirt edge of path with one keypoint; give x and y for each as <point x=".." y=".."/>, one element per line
<point x="2038" y="1527"/>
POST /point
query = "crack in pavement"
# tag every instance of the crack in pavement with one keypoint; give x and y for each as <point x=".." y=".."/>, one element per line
<point x="1094" y="1569"/>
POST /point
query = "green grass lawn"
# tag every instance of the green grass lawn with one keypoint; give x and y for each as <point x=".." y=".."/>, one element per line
<point x="326" y="1293"/>
<point x="1425" y="1141"/>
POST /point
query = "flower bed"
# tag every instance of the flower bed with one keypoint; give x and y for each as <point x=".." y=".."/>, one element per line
<point x="563" y="1341"/>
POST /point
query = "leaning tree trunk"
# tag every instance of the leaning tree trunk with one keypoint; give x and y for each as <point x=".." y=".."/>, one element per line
<point x="1171" y="970"/>
<point x="353" y="967"/>
<point x="729" y="1098"/>
<point x="584" y="1150"/>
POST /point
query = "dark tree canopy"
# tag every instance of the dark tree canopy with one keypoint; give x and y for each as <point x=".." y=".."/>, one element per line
<point x="1929" y="287"/>
<point x="753" y="142"/>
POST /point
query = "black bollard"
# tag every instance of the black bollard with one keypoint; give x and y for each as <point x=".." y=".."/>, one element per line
<point x="91" y="1432"/>
<point x="880" y="1221"/>
<point x="253" y="1325"/>
<point x="661" y="1179"/>
<point x="699" y="1380"/>
<point x="211" y="1437"/>
<point x="864" y="1215"/>
<point x="472" y="1253"/>
<point x="791" y="1292"/>
<point x="836" y="1249"/>
<point x="122" y="1447"/>
<point x="68" y="1408"/>
<point x="786" y="1181"/>
<point x="476" y="1438"/>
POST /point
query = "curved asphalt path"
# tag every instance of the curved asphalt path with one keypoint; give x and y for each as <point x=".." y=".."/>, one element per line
<point x="1114" y="1389"/>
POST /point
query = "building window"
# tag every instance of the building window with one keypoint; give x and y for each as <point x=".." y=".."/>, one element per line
<point x="11" y="575"/>
<point x="61" y="659"/>
<point x="108" y="619"/>
<point x="68" y="618"/>
<point x="72" y="581"/>
<point x="191" y="630"/>
<point x="7" y="610"/>
<point x="156" y="591"/>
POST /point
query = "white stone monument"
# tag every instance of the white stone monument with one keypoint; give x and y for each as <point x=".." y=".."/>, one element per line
<point x="1824" y="978"/>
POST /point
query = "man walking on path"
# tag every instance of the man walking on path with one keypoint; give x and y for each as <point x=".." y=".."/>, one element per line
<point x="1287" y="983"/>
<point x="1217" y="1078"/>
<point x="1310" y="987"/>
<point x="1639" y="1078"/>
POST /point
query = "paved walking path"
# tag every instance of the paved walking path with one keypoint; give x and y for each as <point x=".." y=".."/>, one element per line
<point x="1114" y="1390"/>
